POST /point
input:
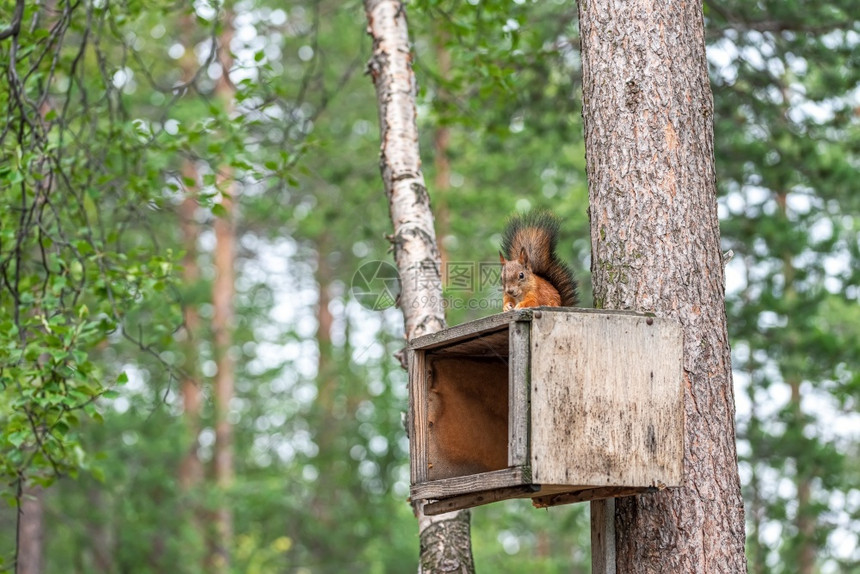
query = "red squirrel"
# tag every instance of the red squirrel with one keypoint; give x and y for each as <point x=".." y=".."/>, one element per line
<point x="533" y="275"/>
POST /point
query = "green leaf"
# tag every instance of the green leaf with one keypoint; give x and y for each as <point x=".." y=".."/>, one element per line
<point x="18" y="438"/>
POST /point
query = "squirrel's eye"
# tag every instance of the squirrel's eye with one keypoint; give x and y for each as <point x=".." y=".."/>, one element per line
<point x="522" y="275"/>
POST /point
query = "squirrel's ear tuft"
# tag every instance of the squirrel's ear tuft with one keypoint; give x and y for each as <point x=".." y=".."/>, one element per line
<point x="502" y="258"/>
<point x="524" y="258"/>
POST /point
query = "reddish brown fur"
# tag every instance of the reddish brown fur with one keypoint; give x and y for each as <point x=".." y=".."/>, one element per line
<point x="534" y="275"/>
<point x="535" y="241"/>
<point x="529" y="291"/>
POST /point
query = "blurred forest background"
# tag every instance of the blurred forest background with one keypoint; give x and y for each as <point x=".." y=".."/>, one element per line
<point x="188" y="189"/>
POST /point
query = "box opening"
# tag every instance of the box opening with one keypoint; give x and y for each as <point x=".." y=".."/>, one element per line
<point x="467" y="408"/>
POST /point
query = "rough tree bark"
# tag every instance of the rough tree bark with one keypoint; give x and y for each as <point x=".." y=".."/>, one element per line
<point x="445" y="540"/>
<point x="222" y="323"/>
<point x="31" y="533"/>
<point x="648" y="108"/>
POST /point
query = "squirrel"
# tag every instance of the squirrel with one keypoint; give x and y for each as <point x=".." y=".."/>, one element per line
<point x="533" y="275"/>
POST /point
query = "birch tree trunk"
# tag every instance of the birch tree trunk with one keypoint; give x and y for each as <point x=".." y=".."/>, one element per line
<point x="648" y="108"/>
<point x="445" y="540"/>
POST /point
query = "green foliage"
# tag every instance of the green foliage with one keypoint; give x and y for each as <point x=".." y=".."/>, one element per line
<point x="786" y="139"/>
<point x="110" y="103"/>
<point x="515" y="134"/>
<point x="74" y="259"/>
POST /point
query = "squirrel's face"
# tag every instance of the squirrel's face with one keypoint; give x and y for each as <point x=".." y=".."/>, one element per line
<point x="515" y="278"/>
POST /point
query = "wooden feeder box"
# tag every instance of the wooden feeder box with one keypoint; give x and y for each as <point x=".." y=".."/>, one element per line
<point x="555" y="404"/>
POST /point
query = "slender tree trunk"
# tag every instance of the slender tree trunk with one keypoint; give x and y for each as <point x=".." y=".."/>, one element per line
<point x="30" y="528"/>
<point x="648" y="109"/>
<point x="757" y="556"/>
<point x="804" y="519"/>
<point x="326" y="379"/>
<point x="222" y="319"/>
<point x="445" y="540"/>
<point x="99" y="531"/>
<point x="222" y="323"/>
<point x="328" y="425"/>
<point x="191" y="471"/>
<point x="191" y="467"/>
<point x="31" y="531"/>
<point x="805" y="523"/>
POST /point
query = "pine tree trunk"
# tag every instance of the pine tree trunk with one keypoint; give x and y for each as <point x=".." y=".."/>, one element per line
<point x="647" y="108"/>
<point x="757" y="551"/>
<point x="190" y="473"/>
<point x="328" y="426"/>
<point x="222" y="322"/>
<point x="191" y="467"/>
<point x="327" y="382"/>
<point x="445" y="540"/>
<point x="31" y="532"/>
<point x="804" y="548"/>
<point x="222" y="319"/>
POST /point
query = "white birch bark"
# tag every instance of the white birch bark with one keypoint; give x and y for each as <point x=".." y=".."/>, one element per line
<point x="445" y="539"/>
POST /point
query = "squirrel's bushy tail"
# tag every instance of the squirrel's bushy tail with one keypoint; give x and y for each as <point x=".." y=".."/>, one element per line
<point x="537" y="233"/>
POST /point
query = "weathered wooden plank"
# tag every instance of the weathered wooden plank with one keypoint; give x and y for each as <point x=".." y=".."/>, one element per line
<point x="451" y="335"/>
<point x="479" y="498"/>
<point x="588" y="311"/>
<point x="606" y="400"/>
<point x="537" y="492"/>
<point x="584" y="494"/>
<point x="458" y="485"/>
<point x="603" y="555"/>
<point x="518" y="393"/>
<point x="488" y="344"/>
<point x="417" y="423"/>
<point x="478" y="327"/>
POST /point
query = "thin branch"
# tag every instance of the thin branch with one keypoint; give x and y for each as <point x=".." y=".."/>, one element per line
<point x="15" y="26"/>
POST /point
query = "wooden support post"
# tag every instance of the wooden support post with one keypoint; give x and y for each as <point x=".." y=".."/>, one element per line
<point x="518" y="393"/>
<point x="603" y="536"/>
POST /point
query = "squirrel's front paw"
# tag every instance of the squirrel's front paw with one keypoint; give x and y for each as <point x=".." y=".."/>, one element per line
<point x="507" y="307"/>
